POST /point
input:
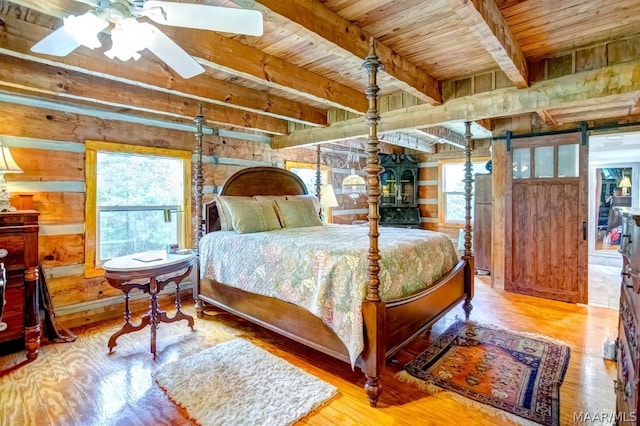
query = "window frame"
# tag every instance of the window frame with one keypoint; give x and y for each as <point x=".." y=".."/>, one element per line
<point x="442" y="216"/>
<point x="92" y="268"/>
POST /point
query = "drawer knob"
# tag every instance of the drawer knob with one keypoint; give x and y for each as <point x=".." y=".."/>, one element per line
<point x="3" y="252"/>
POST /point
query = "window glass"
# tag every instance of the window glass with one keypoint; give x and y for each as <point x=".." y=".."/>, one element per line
<point x="521" y="163"/>
<point x="544" y="161"/>
<point x="138" y="203"/>
<point x="568" y="160"/>
<point x="308" y="176"/>
<point x="453" y="189"/>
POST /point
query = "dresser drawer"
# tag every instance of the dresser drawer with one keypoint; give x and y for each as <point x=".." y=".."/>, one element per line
<point x="628" y="334"/>
<point x="12" y="251"/>
<point x="631" y="281"/>
<point x="13" y="314"/>
<point x="626" y="384"/>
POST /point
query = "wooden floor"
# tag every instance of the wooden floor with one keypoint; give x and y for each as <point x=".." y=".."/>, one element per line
<point x="81" y="384"/>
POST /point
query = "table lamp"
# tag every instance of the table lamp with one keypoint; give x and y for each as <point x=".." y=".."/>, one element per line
<point x="327" y="199"/>
<point x="7" y="165"/>
<point x="625" y="184"/>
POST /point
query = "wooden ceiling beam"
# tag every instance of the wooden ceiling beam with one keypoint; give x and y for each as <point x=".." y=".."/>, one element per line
<point x="486" y="23"/>
<point x="76" y="86"/>
<point x="228" y="55"/>
<point x="635" y="108"/>
<point x="17" y="37"/>
<point x="546" y="117"/>
<point x="445" y="135"/>
<point x="329" y="27"/>
<point x="408" y="141"/>
<point x="602" y="85"/>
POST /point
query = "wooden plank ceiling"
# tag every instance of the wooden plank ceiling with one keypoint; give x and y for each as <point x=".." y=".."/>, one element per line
<point x="446" y="60"/>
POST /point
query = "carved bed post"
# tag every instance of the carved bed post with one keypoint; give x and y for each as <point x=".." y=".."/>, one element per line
<point x="198" y="179"/>
<point x="373" y="309"/>
<point x="198" y="183"/>
<point x="468" y="254"/>
<point x="318" y="172"/>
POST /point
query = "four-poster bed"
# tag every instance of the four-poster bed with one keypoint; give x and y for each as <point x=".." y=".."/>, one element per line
<point x="386" y="325"/>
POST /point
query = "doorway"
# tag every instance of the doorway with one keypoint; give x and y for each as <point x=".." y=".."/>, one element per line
<point x="608" y="189"/>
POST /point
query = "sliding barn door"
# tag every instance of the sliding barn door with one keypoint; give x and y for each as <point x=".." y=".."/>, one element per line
<point x="547" y="228"/>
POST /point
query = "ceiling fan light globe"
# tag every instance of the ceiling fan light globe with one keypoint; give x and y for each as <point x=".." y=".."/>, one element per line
<point x="85" y="28"/>
<point x="128" y="38"/>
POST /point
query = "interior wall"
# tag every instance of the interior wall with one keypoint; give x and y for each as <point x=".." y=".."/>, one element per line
<point x="49" y="147"/>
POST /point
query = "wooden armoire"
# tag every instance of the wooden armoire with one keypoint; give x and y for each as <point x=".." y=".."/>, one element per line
<point x="482" y="209"/>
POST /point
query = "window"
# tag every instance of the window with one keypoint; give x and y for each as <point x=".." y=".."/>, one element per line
<point x="138" y="199"/>
<point x="452" y="200"/>
<point x="307" y="172"/>
<point x="560" y="161"/>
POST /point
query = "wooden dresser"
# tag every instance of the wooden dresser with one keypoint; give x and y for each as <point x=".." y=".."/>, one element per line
<point x="19" y="253"/>
<point x="628" y="344"/>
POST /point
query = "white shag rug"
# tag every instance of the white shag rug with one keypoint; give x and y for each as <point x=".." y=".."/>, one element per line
<point x="238" y="383"/>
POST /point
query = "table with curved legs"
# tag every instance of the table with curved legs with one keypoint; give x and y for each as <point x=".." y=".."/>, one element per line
<point x="150" y="272"/>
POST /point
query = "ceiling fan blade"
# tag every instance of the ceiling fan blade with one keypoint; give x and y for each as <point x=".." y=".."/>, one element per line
<point x="77" y="31"/>
<point x="172" y="54"/>
<point x="204" y="17"/>
<point x="61" y="42"/>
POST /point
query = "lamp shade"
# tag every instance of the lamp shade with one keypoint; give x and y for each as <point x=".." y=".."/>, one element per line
<point x="7" y="163"/>
<point x="625" y="182"/>
<point x="328" y="196"/>
<point x="354" y="185"/>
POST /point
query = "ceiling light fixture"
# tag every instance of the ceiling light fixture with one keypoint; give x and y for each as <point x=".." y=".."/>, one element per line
<point x="129" y="37"/>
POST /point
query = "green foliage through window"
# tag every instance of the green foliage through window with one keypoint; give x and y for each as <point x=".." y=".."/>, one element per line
<point x="136" y="194"/>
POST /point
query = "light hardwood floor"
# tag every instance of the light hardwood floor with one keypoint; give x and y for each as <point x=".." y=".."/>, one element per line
<point x="81" y="384"/>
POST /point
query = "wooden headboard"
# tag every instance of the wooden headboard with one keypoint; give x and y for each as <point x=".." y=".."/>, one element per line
<point x="254" y="181"/>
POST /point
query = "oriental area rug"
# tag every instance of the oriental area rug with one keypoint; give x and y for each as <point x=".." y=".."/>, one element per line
<point x="500" y="369"/>
<point x="238" y="383"/>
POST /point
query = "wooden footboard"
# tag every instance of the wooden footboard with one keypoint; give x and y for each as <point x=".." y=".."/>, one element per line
<point x="407" y="318"/>
<point x="276" y="315"/>
<point x="402" y="319"/>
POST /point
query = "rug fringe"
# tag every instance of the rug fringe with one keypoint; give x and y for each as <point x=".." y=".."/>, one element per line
<point x="431" y="390"/>
<point x="405" y="377"/>
<point x="494" y="412"/>
<point x="542" y="337"/>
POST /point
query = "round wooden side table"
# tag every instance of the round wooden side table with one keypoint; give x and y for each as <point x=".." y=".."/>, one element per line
<point x="150" y="272"/>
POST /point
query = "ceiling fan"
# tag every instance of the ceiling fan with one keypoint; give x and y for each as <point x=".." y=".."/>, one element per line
<point x="130" y="36"/>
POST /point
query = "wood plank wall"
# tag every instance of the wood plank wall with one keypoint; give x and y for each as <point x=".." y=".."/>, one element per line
<point x="49" y="147"/>
<point x="428" y="179"/>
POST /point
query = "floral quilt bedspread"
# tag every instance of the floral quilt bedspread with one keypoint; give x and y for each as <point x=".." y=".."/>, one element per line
<point x="324" y="268"/>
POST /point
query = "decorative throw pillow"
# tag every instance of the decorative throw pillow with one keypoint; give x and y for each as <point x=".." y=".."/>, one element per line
<point x="298" y="212"/>
<point x="223" y="211"/>
<point x="271" y="198"/>
<point x="316" y="202"/>
<point x="252" y="215"/>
